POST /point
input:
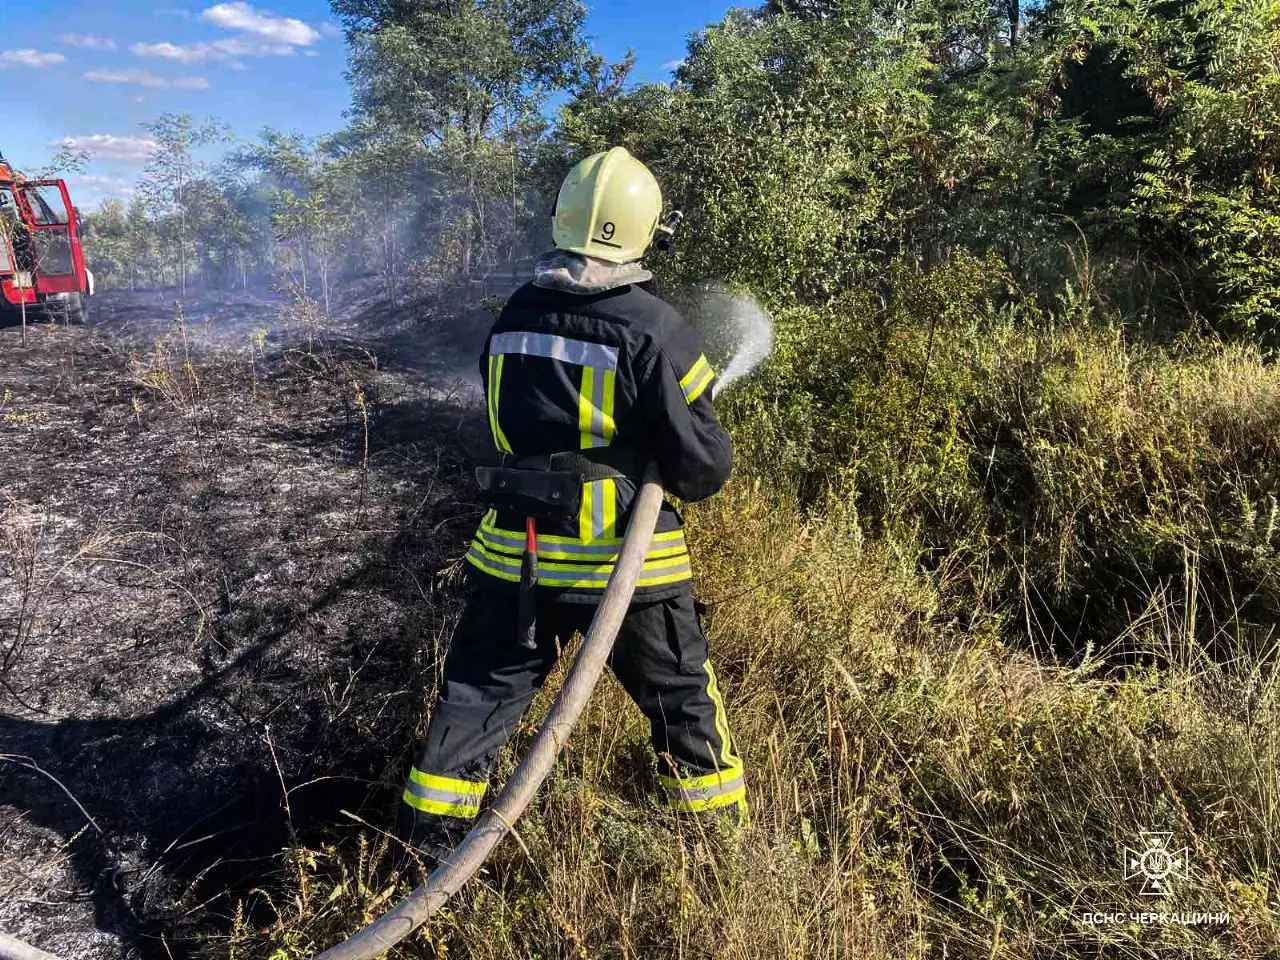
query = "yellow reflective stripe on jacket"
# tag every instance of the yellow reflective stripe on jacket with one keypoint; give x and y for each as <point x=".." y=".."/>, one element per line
<point x="495" y="386"/>
<point x="445" y="796"/>
<point x="599" y="364"/>
<point x="707" y="792"/>
<point x="579" y="576"/>
<point x="593" y="572"/>
<point x="595" y="407"/>
<point x="598" y="519"/>
<point x="550" y="547"/>
<point x="479" y="558"/>
<point x="697" y="379"/>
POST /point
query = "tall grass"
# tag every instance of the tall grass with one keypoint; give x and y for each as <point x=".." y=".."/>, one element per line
<point x="989" y="597"/>
<point x="917" y="789"/>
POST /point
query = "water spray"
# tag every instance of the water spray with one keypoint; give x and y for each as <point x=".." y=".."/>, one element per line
<point x="733" y="325"/>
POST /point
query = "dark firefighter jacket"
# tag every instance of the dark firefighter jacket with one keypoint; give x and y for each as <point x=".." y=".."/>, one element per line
<point x="570" y="366"/>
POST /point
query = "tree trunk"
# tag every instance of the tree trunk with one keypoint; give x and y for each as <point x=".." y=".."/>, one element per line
<point x="391" y="255"/>
<point x="515" y="197"/>
<point x="324" y="280"/>
<point x="182" y="240"/>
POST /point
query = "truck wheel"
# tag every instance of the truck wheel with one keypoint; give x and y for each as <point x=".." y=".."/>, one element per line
<point x="78" y="309"/>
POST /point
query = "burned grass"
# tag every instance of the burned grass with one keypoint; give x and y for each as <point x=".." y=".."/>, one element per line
<point x="226" y="537"/>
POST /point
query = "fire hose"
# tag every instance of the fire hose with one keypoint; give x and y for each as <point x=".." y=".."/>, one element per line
<point x="499" y="819"/>
<point x="11" y="949"/>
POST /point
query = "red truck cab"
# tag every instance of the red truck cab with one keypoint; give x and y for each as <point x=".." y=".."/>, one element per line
<point x="41" y="256"/>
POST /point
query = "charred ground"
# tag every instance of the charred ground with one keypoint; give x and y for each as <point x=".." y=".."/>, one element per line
<point x="230" y="529"/>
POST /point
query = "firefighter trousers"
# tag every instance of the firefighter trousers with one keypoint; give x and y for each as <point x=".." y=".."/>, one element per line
<point x="660" y="658"/>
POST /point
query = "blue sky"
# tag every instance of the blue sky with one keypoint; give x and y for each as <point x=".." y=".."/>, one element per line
<point x="94" y="70"/>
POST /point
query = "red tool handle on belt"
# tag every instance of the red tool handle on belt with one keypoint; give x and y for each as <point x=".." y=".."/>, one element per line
<point x="528" y="637"/>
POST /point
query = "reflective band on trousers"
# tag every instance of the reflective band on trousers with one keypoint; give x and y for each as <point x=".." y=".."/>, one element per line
<point x="730" y="759"/>
<point x="706" y="792"/>
<point x="445" y="796"/>
<point x="553" y="347"/>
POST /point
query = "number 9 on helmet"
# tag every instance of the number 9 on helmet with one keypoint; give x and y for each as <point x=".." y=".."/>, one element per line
<point x="608" y="207"/>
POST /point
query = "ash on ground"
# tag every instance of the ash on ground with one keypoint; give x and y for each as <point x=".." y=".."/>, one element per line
<point x="230" y="538"/>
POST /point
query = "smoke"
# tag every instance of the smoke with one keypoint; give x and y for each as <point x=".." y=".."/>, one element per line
<point x="735" y="328"/>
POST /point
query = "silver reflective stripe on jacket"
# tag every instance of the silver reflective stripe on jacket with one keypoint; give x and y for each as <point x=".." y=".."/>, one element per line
<point x="582" y="352"/>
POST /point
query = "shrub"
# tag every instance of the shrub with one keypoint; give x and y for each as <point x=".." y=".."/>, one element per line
<point x="1039" y="463"/>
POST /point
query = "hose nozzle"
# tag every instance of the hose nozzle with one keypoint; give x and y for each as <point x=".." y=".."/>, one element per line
<point x="665" y="238"/>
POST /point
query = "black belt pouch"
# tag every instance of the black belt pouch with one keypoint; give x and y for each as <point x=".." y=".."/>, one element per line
<point x="554" y="495"/>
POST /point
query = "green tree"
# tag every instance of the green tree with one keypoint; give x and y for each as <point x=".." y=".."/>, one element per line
<point x="466" y="81"/>
<point x="310" y="201"/>
<point x="66" y="161"/>
<point x="171" y="170"/>
<point x="106" y="244"/>
<point x="799" y="146"/>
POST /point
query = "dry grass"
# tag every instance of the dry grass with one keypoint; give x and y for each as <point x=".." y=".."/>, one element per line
<point x="917" y="790"/>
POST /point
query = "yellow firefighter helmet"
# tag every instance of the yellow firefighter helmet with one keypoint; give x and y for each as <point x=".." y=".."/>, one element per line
<point x="608" y="207"/>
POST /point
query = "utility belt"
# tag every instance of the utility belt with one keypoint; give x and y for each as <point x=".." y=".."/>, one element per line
<point x="549" y="487"/>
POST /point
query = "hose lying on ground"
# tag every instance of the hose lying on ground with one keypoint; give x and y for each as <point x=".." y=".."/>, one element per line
<point x="520" y="787"/>
<point x="11" y="949"/>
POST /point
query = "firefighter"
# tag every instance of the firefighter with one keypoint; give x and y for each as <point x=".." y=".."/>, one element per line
<point x="587" y="376"/>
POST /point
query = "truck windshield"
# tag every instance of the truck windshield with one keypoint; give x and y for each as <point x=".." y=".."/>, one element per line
<point x="47" y="208"/>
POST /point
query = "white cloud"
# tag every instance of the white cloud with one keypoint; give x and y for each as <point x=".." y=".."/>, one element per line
<point x="249" y="19"/>
<point x="28" y="58"/>
<point x="140" y="77"/>
<point x="191" y="53"/>
<point x="99" y="180"/>
<point x="145" y="78"/>
<point x="246" y="47"/>
<point x="105" y="146"/>
<point x="673" y="65"/>
<point x="86" y="40"/>
<point x="262" y="35"/>
<point x="229" y="48"/>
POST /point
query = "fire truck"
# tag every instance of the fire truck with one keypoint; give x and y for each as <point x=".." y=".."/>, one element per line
<point x="41" y="257"/>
